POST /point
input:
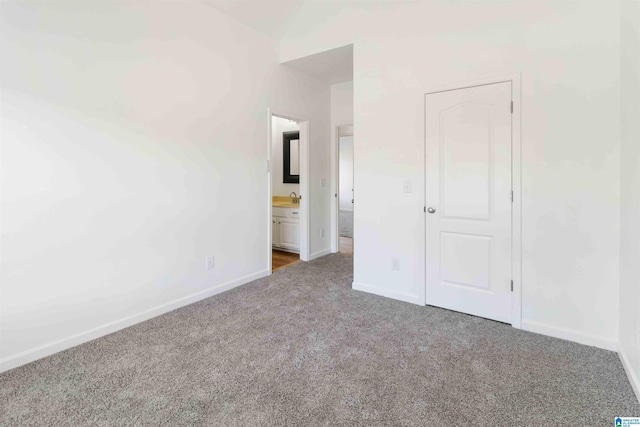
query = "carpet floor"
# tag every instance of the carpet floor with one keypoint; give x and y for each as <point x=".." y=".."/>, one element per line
<point x="301" y="348"/>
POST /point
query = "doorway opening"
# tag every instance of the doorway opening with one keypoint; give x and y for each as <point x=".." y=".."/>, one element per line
<point x="288" y="193"/>
<point x="344" y="195"/>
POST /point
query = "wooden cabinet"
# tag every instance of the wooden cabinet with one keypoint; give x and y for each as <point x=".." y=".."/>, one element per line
<point x="285" y="229"/>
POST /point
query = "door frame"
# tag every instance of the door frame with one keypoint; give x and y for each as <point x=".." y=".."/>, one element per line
<point x="516" y="181"/>
<point x="303" y="123"/>
<point x="340" y="130"/>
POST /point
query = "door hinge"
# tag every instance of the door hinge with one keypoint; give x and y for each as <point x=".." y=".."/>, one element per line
<point x="425" y="209"/>
<point x="335" y="195"/>
<point x="511" y="196"/>
<point x="512" y="286"/>
<point x="511" y="107"/>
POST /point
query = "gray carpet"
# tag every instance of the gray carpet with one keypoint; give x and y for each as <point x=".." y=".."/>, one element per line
<point x="346" y="223"/>
<point x="302" y="348"/>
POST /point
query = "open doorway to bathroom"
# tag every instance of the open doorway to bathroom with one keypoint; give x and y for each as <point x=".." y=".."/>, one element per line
<point x="287" y="177"/>
<point x="345" y="195"/>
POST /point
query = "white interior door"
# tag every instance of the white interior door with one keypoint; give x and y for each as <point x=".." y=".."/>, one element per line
<point x="468" y="195"/>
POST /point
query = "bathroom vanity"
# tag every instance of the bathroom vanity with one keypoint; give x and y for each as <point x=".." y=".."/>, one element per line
<point x="285" y="225"/>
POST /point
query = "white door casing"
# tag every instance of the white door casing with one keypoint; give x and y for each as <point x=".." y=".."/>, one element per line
<point x="340" y="131"/>
<point x="469" y="188"/>
<point x="304" y="220"/>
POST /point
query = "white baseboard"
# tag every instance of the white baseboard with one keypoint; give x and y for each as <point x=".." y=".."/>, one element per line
<point x="631" y="373"/>
<point x="387" y="293"/>
<point x="319" y="254"/>
<point x="569" y="335"/>
<point x="108" y="328"/>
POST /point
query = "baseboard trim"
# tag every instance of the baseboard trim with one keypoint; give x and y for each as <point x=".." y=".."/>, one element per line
<point x="569" y="335"/>
<point x="108" y="328"/>
<point x="631" y="374"/>
<point x="386" y="293"/>
<point x="319" y="254"/>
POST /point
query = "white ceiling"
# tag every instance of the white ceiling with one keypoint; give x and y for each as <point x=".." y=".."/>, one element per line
<point x="273" y="17"/>
<point x="270" y="17"/>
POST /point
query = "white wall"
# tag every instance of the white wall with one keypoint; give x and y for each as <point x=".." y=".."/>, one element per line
<point x="278" y="188"/>
<point x="629" y="344"/>
<point x="342" y="104"/>
<point x="134" y="144"/>
<point x="346" y="173"/>
<point x="341" y="114"/>
<point x="568" y="54"/>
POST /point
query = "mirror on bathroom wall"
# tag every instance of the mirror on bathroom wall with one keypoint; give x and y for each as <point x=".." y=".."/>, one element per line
<point x="291" y="159"/>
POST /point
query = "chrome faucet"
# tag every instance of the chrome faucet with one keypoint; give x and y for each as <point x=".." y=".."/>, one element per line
<point x="294" y="199"/>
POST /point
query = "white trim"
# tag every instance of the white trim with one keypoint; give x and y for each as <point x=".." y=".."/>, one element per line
<point x="383" y="292"/>
<point x="569" y="335"/>
<point x="335" y="183"/>
<point x="631" y="374"/>
<point x="303" y="123"/>
<point x="319" y="254"/>
<point x="516" y="206"/>
<point x="269" y="193"/>
<point x="335" y="188"/>
<point x="473" y="83"/>
<point x="305" y="226"/>
<point x="108" y="328"/>
<point x="516" y="181"/>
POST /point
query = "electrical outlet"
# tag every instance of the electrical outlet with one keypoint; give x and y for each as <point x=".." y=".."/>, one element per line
<point x="323" y="182"/>
<point x="395" y="263"/>
<point x="322" y="232"/>
<point x="407" y="187"/>
<point x="209" y="263"/>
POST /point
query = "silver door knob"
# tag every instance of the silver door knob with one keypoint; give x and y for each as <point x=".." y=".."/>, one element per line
<point x="431" y="209"/>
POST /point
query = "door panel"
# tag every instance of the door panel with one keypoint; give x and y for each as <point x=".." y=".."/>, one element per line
<point x="468" y="185"/>
<point x="465" y="260"/>
<point x="465" y="147"/>
<point x="290" y="234"/>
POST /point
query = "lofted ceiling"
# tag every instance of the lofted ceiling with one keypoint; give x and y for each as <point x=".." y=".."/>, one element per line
<point x="272" y="18"/>
<point x="331" y="66"/>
